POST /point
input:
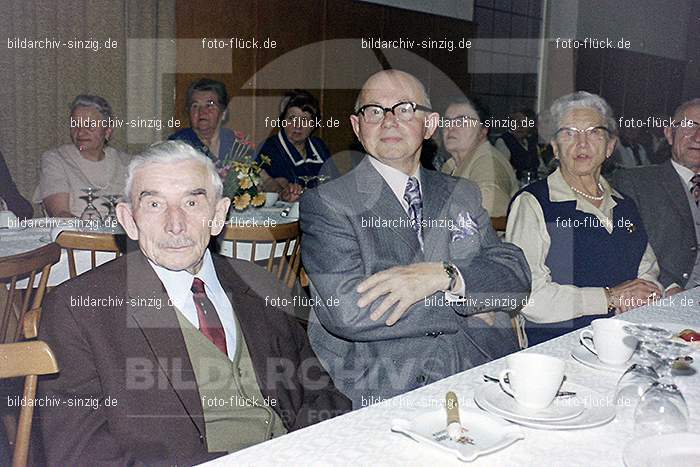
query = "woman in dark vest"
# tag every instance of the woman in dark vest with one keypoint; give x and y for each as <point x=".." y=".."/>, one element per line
<point x="585" y="242"/>
<point x="519" y="143"/>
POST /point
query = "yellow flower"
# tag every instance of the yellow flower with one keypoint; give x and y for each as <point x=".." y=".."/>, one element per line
<point x="241" y="202"/>
<point x="258" y="200"/>
<point x="265" y="159"/>
<point x="245" y="183"/>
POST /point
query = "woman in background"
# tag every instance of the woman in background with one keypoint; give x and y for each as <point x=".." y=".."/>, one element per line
<point x="206" y="105"/>
<point x="88" y="162"/>
<point x="293" y="151"/>
<point x="465" y="138"/>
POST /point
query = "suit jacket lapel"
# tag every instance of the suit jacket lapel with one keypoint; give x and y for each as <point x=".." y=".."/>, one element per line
<point x="675" y="190"/>
<point x="434" y="196"/>
<point x="162" y="331"/>
<point x="382" y="203"/>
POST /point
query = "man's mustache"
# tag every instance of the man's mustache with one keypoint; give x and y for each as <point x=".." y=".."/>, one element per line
<point x="176" y="243"/>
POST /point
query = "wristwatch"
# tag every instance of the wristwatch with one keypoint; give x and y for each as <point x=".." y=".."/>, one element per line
<point x="452" y="272"/>
<point x="611" y="300"/>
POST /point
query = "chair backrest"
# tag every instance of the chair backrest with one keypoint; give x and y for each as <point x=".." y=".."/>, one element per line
<point x="28" y="359"/>
<point x="285" y="267"/>
<point x="18" y="302"/>
<point x="93" y="242"/>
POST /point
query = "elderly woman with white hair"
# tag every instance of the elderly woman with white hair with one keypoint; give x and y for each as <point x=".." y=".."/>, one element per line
<point x="585" y="243"/>
<point x="86" y="163"/>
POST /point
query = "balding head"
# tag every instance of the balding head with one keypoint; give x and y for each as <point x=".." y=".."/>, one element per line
<point x="393" y="141"/>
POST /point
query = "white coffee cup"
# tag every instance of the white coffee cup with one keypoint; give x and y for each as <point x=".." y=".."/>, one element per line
<point x="271" y="198"/>
<point x="7" y="218"/>
<point x="609" y="341"/>
<point x="533" y="379"/>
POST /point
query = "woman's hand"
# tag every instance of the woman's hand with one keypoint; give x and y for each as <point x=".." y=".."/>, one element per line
<point x="633" y="294"/>
<point x="291" y="193"/>
<point x="57" y="205"/>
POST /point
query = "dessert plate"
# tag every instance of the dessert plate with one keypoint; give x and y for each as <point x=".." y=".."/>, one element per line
<point x="597" y="410"/>
<point x="586" y="357"/>
<point x="503" y="405"/>
<point x="486" y="433"/>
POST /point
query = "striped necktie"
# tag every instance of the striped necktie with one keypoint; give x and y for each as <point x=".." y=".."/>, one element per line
<point x="695" y="190"/>
<point x="415" y="207"/>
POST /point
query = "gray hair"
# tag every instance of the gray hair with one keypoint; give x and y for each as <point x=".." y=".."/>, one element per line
<point x="421" y="88"/>
<point x="170" y="152"/>
<point x="97" y="102"/>
<point x="549" y="120"/>
<point x="680" y="110"/>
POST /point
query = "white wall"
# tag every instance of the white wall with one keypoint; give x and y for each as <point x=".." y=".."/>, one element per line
<point x="460" y="9"/>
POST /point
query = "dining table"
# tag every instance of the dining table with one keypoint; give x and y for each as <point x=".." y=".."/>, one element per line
<point x="365" y="437"/>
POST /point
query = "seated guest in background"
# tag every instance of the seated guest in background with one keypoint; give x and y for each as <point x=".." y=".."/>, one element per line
<point x="186" y="345"/>
<point x="89" y="162"/>
<point x="667" y="196"/>
<point x="387" y="268"/>
<point x="474" y="157"/>
<point x="629" y="151"/>
<point x="206" y="105"/>
<point x="293" y="151"/>
<point x="519" y="144"/>
<point x="585" y="243"/>
<point x="10" y="198"/>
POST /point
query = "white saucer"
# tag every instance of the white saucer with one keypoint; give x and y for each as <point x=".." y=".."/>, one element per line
<point x="496" y="401"/>
<point x="598" y="410"/>
<point x="672" y="450"/>
<point x="486" y="432"/>
<point x="586" y="357"/>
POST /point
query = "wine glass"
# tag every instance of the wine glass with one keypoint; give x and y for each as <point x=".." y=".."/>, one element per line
<point x="662" y="409"/>
<point x="110" y="221"/>
<point x="306" y="179"/>
<point x="631" y="387"/>
<point x="91" y="216"/>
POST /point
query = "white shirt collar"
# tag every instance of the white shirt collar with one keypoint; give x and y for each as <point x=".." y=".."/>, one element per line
<point x="179" y="283"/>
<point x="396" y="179"/>
<point x="684" y="172"/>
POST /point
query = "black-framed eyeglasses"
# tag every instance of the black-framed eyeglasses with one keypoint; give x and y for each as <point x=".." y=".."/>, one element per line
<point x="404" y="111"/>
<point x="593" y="132"/>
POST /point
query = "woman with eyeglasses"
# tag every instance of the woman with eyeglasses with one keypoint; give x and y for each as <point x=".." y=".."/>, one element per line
<point x="473" y="157"/>
<point x="206" y="104"/>
<point x="585" y="243"/>
<point x="89" y="162"/>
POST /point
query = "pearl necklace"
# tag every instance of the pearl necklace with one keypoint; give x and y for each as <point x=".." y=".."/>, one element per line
<point x="586" y="195"/>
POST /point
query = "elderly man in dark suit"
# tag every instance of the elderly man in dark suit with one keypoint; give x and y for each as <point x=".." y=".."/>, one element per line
<point x="412" y="283"/>
<point x="667" y="196"/>
<point x="170" y="354"/>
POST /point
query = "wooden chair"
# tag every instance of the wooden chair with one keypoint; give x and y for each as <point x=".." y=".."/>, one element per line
<point x="28" y="359"/>
<point x="89" y="241"/>
<point x="286" y="267"/>
<point x="19" y="301"/>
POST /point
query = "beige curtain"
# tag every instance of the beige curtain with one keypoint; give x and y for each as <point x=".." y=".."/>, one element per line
<point x="38" y="84"/>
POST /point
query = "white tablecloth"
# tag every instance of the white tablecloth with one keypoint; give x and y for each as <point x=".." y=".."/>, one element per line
<point x="41" y="232"/>
<point x="363" y="437"/>
<point x="252" y="217"/>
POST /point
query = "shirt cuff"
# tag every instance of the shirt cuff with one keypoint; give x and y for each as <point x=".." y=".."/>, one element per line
<point x="594" y="301"/>
<point x="457" y="295"/>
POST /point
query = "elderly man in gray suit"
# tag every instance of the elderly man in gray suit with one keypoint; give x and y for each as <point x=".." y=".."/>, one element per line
<point x="667" y="196"/>
<point x="411" y="282"/>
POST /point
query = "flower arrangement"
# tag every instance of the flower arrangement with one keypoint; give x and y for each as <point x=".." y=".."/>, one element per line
<point x="241" y="180"/>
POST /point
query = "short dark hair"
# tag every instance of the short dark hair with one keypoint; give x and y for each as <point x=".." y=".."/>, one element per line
<point x="302" y="99"/>
<point x="206" y="84"/>
<point x="481" y="110"/>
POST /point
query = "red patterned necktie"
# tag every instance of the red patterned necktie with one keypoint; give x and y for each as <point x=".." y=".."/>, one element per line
<point x="695" y="190"/>
<point x="209" y="323"/>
